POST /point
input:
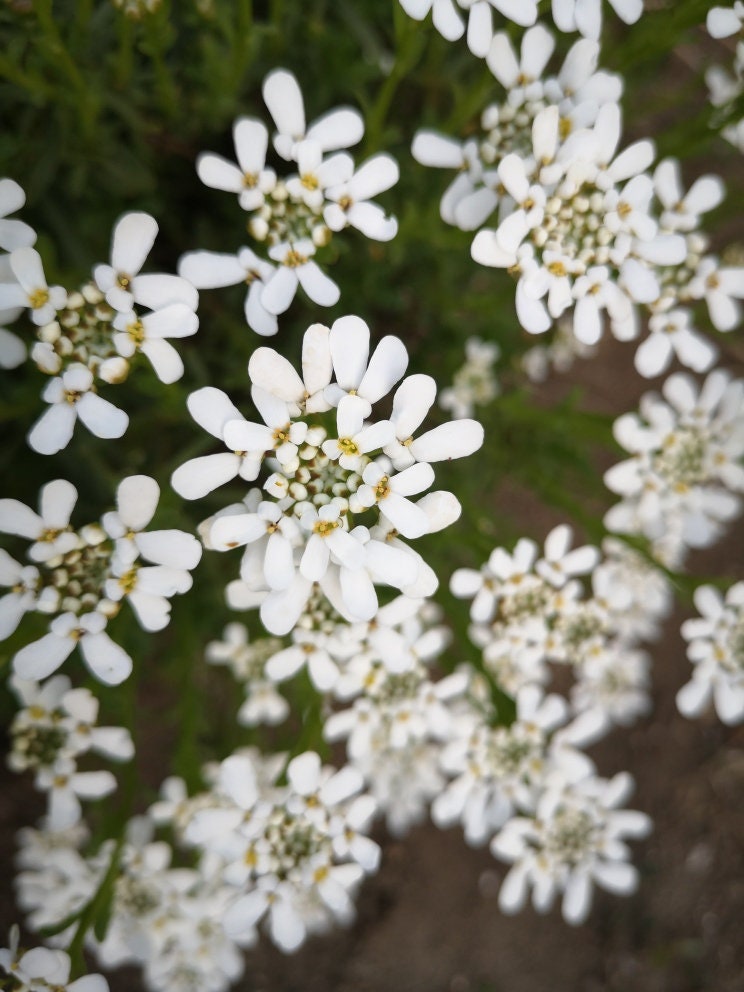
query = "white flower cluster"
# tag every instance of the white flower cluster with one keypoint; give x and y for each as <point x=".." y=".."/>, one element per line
<point x="577" y="91"/>
<point x="584" y="16"/>
<point x="525" y="786"/>
<point x="392" y="715"/>
<point x="585" y="230"/>
<point x="576" y="838"/>
<point x="80" y="578"/>
<point x="681" y="484"/>
<point x="55" y="881"/>
<point x="295" y="215"/>
<point x="247" y="661"/>
<point x="167" y="919"/>
<point x="724" y="88"/>
<point x="474" y="384"/>
<point x="94" y="334"/>
<point x="55" y="726"/>
<point x="527" y="789"/>
<point x="716" y="649"/>
<point x="530" y="612"/>
<point x="41" y="969"/>
<point x="334" y="501"/>
<point x="292" y="855"/>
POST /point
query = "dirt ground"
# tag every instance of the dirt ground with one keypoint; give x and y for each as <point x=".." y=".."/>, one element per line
<point x="429" y="921"/>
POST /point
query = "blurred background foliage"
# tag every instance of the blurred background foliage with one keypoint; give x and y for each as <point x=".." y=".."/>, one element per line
<point x="104" y="112"/>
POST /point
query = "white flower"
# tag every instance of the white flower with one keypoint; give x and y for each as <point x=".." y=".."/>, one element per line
<point x="209" y="270"/>
<point x="148" y="333"/>
<point x="22" y="598"/>
<point x="297" y="268"/>
<point x="559" y="564"/>
<point x="716" y="649"/>
<point x="13" y="233"/>
<point x="682" y="210"/>
<point x="354" y="439"/>
<point x="121" y="281"/>
<point x="449" y="23"/>
<point x="474" y="383"/>
<point x="586" y="15"/>
<point x="42" y="968"/>
<point x="106" y="660"/>
<point x="722" y="22"/>
<point x="672" y="334"/>
<point x="339" y="128"/>
<point x="349" y="201"/>
<point x="721" y="287"/>
<point x="251" y="180"/>
<point x="50" y="528"/>
<point x="212" y="410"/>
<point x="71" y="397"/>
<point x="30" y="288"/>
<point x="686" y="459"/>
<point x="272" y="372"/>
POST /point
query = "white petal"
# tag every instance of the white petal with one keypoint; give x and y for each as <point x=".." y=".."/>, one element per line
<point x="577" y="898"/>
<point x="272" y="372"/>
<point x="281" y="610"/>
<point x="236" y="529"/>
<point x="159" y="290"/>
<point x="455" y="439"/>
<point x="212" y="409"/>
<point x="42" y="657"/>
<point x="134" y="236"/>
<point x="279" y="562"/>
<point x="251" y="140"/>
<point x="136" y="500"/>
<point x="283" y="97"/>
<point x="17" y="518"/>
<point x="53" y="430"/>
<point x="101" y="417"/>
<point x="386" y="366"/>
<point x="437" y="150"/>
<point x="200" y="476"/>
<point x="210" y="269"/>
<point x="358" y="593"/>
<point x="280" y="290"/>
<point x="173" y="548"/>
<point x="107" y="661"/>
<point x="319" y="287"/>
<point x="412" y="401"/>
<point x="339" y="128"/>
<point x="653" y="355"/>
<point x="12" y="608"/>
<point x="446" y="20"/>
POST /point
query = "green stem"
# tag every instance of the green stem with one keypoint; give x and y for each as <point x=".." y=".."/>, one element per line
<point x="84" y="9"/>
<point x="124" y="55"/>
<point x="409" y="46"/>
<point x="241" y="46"/>
<point x="56" y="47"/>
<point x="97" y="904"/>
<point x="10" y="71"/>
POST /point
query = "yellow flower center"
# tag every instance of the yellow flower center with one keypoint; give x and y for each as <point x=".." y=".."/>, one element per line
<point x="38" y="298"/>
